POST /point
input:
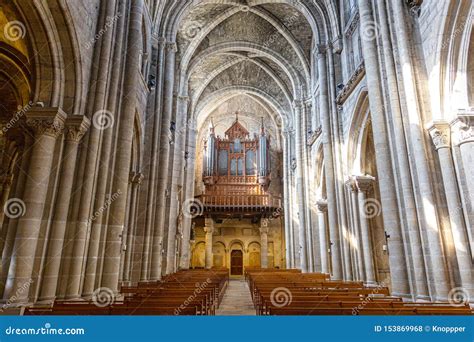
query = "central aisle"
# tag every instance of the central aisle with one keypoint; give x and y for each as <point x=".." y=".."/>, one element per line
<point x="237" y="300"/>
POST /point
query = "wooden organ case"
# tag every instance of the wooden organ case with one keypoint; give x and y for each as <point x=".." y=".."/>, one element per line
<point x="236" y="174"/>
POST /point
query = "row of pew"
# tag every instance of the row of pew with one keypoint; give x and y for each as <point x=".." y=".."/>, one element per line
<point x="290" y="292"/>
<point x="190" y="292"/>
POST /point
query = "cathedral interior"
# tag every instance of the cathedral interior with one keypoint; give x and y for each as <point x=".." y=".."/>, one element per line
<point x="143" y="140"/>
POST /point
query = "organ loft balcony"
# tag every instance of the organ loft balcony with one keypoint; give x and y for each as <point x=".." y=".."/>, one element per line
<point x="237" y="175"/>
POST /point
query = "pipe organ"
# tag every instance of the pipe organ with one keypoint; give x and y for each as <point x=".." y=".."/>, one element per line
<point x="236" y="170"/>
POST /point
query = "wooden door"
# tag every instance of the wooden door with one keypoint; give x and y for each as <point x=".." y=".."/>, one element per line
<point x="236" y="262"/>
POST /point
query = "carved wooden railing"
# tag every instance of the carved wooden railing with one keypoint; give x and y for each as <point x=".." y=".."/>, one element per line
<point x="230" y="202"/>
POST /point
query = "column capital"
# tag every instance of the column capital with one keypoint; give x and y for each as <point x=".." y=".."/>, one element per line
<point x="321" y="50"/>
<point x="337" y="45"/>
<point x="440" y="133"/>
<point x="161" y="41"/>
<point x="351" y="184"/>
<point x="297" y="104"/>
<point x="46" y="121"/>
<point x="322" y="205"/>
<point x="463" y="127"/>
<point x="171" y="47"/>
<point x="208" y="225"/>
<point x="264" y="225"/>
<point x="364" y="183"/>
<point x="76" y="127"/>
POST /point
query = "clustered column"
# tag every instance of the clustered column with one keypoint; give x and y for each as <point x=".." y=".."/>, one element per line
<point x="209" y="230"/>
<point x="364" y="184"/>
<point x="264" y="243"/>
<point x="323" y="239"/>
<point x="441" y="135"/>
<point x="47" y="125"/>
<point x="76" y="127"/>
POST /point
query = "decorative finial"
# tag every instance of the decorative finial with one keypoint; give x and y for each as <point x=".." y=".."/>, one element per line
<point x="262" y="128"/>
<point x="236" y="116"/>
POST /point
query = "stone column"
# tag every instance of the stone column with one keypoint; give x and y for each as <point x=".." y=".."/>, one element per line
<point x="463" y="138"/>
<point x="323" y="239"/>
<point x="391" y="218"/>
<point x="48" y="125"/>
<point x="364" y="184"/>
<point x="6" y="181"/>
<point x="307" y="110"/>
<point x="209" y="229"/>
<point x="155" y="155"/>
<point x="113" y="245"/>
<point x="286" y="200"/>
<point x="176" y="180"/>
<point x="336" y="256"/>
<point x="101" y="118"/>
<point x="189" y="197"/>
<point x="441" y="134"/>
<point x="136" y="179"/>
<point x="10" y="226"/>
<point x="359" y="251"/>
<point x="415" y="114"/>
<point x="410" y="225"/>
<point x="264" y="243"/>
<point x="76" y="127"/>
<point x="158" y="230"/>
<point x="300" y="186"/>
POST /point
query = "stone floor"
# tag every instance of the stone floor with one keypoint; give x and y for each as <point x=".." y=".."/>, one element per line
<point x="237" y="300"/>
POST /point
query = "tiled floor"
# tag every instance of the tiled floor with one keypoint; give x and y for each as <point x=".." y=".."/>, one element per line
<point x="237" y="300"/>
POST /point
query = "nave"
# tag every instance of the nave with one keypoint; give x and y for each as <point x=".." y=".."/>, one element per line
<point x="262" y="292"/>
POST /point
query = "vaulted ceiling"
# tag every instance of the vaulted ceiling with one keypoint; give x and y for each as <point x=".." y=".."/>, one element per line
<point x="251" y="54"/>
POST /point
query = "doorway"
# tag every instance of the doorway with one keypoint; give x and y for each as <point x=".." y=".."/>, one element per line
<point x="236" y="262"/>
